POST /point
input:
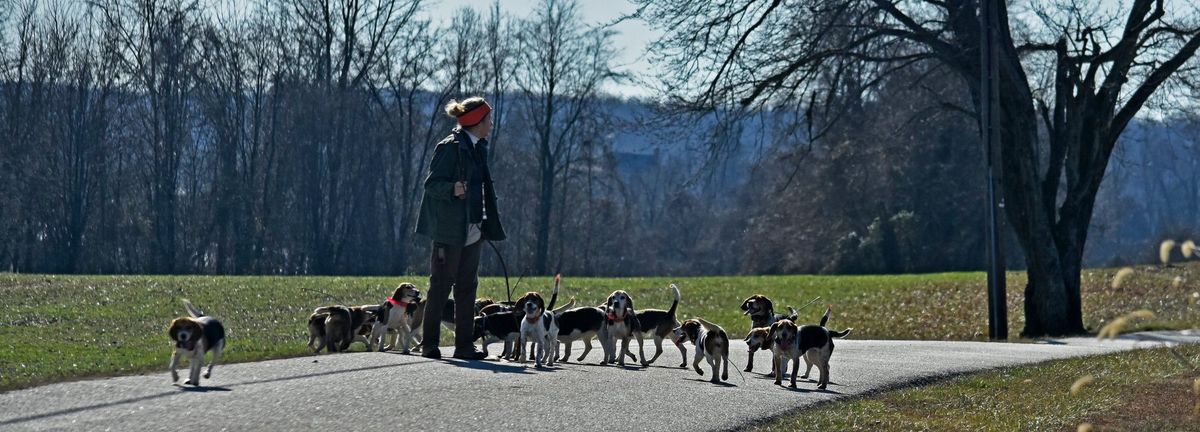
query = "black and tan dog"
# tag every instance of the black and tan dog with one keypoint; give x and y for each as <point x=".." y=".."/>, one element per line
<point x="761" y="311"/>
<point x="194" y="336"/>
<point x="813" y="343"/>
<point x="712" y="344"/>
<point x="334" y="328"/>
<point x="620" y="324"/>
<point x="659" y="323"/>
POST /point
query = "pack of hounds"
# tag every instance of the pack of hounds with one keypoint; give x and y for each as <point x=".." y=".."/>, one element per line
<point x="532" y="328"/>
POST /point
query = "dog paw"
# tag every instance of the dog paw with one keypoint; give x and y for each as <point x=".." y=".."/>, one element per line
<point x="645" y="364"/>
<point x="683" y="365"/>
<point x="700" y="372"/>
<point x="207" y="375"/>
<point x="725" y="377"/>
<point x="805" y="376"/>
<point x="714" y="381"/>
<point x="792" y="386"/>
<point x="746" y="369"/>
<point x="821" y="387"/>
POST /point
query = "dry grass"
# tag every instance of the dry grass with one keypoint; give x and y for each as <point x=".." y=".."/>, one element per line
<point x="1135" y="390"/>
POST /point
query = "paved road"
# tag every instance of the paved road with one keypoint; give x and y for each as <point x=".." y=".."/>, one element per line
<point x="366" y="391"/>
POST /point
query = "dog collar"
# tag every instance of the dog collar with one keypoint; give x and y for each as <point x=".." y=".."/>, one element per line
<point x="395" y="302"/>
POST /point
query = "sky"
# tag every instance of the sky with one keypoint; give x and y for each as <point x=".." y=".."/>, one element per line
<point x="631" y="39"/>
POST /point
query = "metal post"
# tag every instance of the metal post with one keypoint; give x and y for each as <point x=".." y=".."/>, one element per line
<point x="990" y="133"/>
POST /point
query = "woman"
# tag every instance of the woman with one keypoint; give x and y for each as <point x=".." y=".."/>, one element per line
<point x="458" y="212"/>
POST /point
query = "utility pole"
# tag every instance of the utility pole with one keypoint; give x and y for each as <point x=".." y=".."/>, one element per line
<point x="989" y="115"/>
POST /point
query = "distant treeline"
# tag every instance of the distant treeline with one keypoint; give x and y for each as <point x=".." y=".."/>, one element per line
<point x="166" y="136"/>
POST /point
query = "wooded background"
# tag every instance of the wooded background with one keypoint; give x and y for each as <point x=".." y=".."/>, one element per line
<point x="292" y="137"/>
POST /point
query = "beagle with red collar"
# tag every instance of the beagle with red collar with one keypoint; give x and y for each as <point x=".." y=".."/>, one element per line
<point x="194" y="336"/>
<point x="620" y="323"/>
<point x="712" y="344"/>
<point x="399" y="313"/>
<point x="539" y="329"/>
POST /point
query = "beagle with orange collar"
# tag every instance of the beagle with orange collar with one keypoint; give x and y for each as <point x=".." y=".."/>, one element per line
<point x="194" y="336"/>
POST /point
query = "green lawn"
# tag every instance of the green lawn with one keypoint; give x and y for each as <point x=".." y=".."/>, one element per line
<point x="1135" y="390"/>
<point x="54" y="328"/>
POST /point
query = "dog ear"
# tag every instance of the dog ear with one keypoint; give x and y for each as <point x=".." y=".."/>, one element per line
<point x="770" y="305"/>
<point x="630" y="300"/>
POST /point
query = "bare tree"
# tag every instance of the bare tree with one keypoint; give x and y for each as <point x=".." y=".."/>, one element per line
<point x="1077" y="72"/>
<point x="561" y="67"/>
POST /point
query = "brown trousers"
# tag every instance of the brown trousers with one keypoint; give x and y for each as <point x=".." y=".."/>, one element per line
<point x="457" y="268"/>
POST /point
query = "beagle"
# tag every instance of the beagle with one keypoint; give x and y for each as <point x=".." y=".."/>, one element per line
<point x="579" y="324"/>
<point x="812" y="342"/>
<point x="712" y="344"/>
<point x="342" y="325"/>
<point x="824" y="320"/>
<point x="538" y="330"/>
<point x="195" y="335"/>
<point x="761" y="311"/>
<point x="659" y="323"/>
<point x="499" y="326"/>
<point x="757" y="340"/>
<point x="620" y="323"/>
<point x="399" y="313"/>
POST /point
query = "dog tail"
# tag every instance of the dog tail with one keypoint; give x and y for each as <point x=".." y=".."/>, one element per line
<point x="554" y="296"/>
<point x="709" y="325"/>
<point x="564" y="308"/>
<point x="792" y="314"/>
<point x="194" y="311"/>
<point x="675" y="290"/>
<point x="825" y="318"/>
<point x="842" y="333"/>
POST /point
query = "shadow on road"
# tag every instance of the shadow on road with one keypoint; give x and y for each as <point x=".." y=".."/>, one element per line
<point x="188" y="389"/>
<point x="495" y="366"/>
<point x="191" y="389"/>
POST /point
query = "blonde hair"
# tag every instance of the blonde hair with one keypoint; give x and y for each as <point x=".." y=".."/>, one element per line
<point x="455" y="108"/>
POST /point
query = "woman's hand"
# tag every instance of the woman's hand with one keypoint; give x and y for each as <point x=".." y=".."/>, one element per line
<point x="460" y="190"/>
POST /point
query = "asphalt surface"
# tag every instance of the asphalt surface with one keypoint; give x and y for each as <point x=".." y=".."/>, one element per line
<point x="369" y="391"/>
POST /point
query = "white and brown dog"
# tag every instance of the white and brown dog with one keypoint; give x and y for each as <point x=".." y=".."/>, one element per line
<point x="712" y="344"/>
<point x="660" y="324"/>
<point x="621" y="323"/>
<point x="538" y="330"/>
<point x="813" y="343"/>
<point x="194" y="336"/>
<point x="400" y="313"/>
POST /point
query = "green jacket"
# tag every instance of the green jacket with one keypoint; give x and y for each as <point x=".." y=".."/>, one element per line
<point x="443" y="217"/>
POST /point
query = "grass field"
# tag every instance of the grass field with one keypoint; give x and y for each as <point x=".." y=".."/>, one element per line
<point x="54" y="328"/>
<point x="1135" y="390"/>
